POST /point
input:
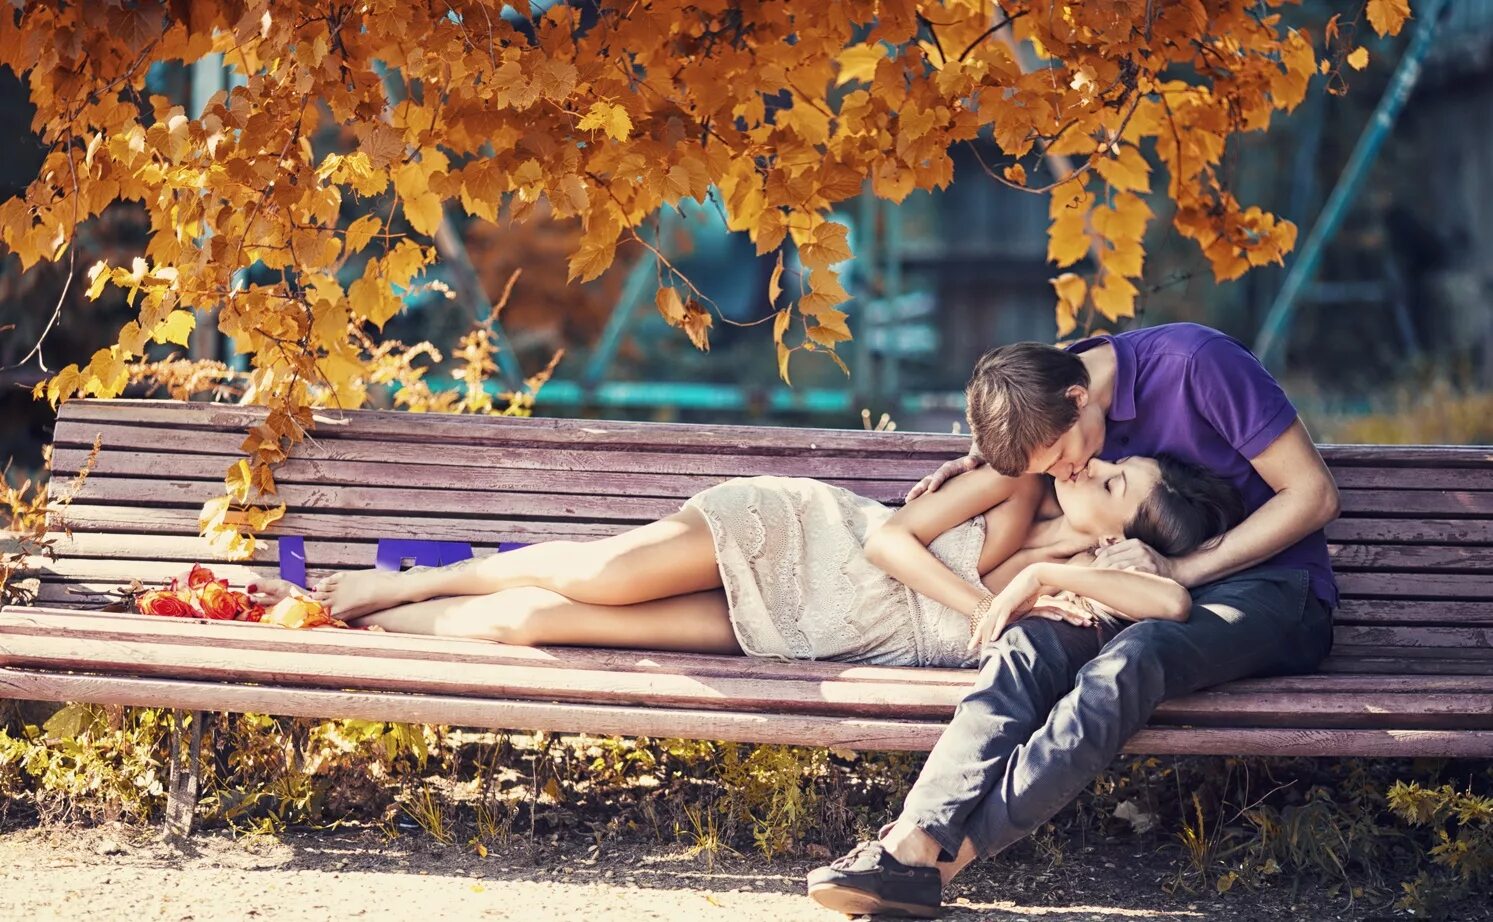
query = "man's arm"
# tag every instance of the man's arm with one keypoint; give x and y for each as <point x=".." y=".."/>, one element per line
<point x="1305" y="499"/>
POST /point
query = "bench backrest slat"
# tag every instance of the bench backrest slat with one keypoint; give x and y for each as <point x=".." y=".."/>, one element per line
<point x="1413" y="549"/>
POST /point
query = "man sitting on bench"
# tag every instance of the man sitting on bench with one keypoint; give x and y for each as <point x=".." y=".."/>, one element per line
<point x="1053" y="703"/>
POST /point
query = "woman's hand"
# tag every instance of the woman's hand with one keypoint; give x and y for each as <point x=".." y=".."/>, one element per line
<point x="938" y="478"/>
<point x="1011" y="603"/>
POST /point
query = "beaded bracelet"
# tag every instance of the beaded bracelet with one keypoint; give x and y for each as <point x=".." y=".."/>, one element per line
<point x="978" y="615"/>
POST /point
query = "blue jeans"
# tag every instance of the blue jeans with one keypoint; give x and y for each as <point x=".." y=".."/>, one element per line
<point x="1054" y="702"/>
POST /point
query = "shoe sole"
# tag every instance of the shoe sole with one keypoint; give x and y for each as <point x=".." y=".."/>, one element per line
<point x="853" y="902"/>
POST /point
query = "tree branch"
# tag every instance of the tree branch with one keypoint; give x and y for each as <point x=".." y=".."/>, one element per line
<point x="943" y="57"/>
<point x="72" y="267"/>
<point x="989" y="32"/>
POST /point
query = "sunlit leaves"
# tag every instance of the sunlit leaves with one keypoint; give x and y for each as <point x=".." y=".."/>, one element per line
<point x="1126" y="171"/>
<point x="778" y="115"/>
<point x="176" y="328"/>
<point x="828" y="245"/>
<point x="360" y="232"/>
<point x="697" y="323"/>
<point x="858" y="62"/>
<point x="1068" y="234"/>
<point x="1388" y="16"/>
<point x="1071" y="290"/>
<point x="670" y="305"/>
<point x="775" y="287"/>
<point x="606" y="117"/>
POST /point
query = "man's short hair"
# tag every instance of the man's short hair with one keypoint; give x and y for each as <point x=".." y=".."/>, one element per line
<point x="1018" y="402"/>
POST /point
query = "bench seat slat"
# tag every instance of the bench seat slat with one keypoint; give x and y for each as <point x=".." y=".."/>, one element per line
<point x="787" y="696"/>
<point x="242" y="635"/>
<point x="97" y="593"/>
<point x="92" y="627"/>
<point x="834" y="732"/>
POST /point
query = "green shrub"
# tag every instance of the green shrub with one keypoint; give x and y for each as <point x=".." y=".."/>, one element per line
<point x="1461" y="856"/>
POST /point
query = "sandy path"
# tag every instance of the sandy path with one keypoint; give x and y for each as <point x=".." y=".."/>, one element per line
<point x="120" y="874"/>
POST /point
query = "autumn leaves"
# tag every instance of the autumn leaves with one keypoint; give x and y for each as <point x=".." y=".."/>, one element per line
<point x="353" y="130"/>
<point x="776" y="113"/>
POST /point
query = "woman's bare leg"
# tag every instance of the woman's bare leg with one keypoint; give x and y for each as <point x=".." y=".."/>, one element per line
<point x="670" y="557"/>
<point x="695" y="623"/>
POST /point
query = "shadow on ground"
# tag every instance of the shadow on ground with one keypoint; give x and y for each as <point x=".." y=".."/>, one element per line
<point x="124" y="873"/>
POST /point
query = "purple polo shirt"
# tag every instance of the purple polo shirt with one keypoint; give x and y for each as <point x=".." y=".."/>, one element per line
<point x="1196" y="394"/>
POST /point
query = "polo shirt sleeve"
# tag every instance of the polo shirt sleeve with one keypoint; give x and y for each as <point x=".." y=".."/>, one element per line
<point x="1234" y="392"/>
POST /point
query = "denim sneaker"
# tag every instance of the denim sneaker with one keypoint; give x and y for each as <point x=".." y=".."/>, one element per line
<point x="869" y="881"/>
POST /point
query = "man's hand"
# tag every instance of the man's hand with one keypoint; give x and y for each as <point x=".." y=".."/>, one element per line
<point x="938" y="478"/>
<point x="1065" y="606"/>
<point x="1134" y="554"/>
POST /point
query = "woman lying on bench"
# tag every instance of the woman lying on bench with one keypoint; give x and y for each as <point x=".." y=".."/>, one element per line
<point x="797" y="568"/>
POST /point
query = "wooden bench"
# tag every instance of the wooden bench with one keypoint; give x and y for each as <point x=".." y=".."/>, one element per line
<point x="1411" y="673"/>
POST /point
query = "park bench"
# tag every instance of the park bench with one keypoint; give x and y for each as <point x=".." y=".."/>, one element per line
<point x="1411" y="672"/>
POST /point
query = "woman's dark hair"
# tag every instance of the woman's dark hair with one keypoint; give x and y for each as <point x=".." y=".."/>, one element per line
<point x="1189" y="507"/>
<point x="1018" y="402"/>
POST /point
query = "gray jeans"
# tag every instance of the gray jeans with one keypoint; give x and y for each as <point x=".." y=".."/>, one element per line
<point x="1054" y="702"/>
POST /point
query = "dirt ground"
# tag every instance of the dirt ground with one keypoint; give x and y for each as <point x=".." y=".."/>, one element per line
<point x="120" y="873"/>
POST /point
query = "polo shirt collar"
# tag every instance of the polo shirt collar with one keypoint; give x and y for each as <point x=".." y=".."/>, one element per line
<point x="1122" y="404"/>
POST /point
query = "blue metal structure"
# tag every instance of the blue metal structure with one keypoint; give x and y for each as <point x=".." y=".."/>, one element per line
<point x="1269" y="345"/>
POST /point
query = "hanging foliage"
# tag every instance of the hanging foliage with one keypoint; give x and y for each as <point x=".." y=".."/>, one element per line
<point x="609" y="111"/>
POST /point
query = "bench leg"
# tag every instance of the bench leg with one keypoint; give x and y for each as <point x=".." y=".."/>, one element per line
<point x="185" y="780"/>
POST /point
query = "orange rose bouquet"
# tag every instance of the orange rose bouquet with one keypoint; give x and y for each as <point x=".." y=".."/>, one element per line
<point x="197" y="593"/>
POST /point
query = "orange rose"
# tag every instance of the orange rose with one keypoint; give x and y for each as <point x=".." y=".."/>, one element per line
<point x="196" y="578"/>
<point x="254" y="613"/>
<point x="218" y="603"/>
<point x="244" y="604"/>
<point x="167" y="603"/>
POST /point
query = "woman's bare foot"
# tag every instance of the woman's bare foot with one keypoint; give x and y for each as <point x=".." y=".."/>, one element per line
<point x="268" y="590"/>
<point x="360" y="592"/>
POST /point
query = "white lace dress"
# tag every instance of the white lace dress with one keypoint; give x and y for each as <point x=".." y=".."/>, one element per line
<point x="794" y="568"/>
